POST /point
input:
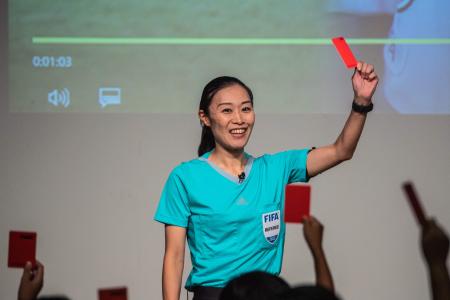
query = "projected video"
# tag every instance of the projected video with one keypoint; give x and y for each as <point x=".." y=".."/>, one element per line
<point x="156" y="56"/>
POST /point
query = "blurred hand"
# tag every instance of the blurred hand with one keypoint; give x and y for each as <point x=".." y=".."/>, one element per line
<point x="364" y="81"/>
<point x="313" y="231"/>
<point x="31" y="282"/>
<point x="435" y="243"/>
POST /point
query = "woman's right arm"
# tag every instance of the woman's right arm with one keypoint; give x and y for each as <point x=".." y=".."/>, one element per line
<point x="173" y="262"/>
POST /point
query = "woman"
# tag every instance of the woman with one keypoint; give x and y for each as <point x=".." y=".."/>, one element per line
<point x="227" y="203"/>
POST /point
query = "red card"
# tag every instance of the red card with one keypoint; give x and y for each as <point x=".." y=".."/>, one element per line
<point x="415" y="203"/>
<point x="119" y="293"/>
<point x="345" y="52"/>
<point x="297" y="203"/>
<point x="22" y="248"/>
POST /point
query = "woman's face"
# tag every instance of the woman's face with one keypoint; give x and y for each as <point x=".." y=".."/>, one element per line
<point x="231" y="118"/>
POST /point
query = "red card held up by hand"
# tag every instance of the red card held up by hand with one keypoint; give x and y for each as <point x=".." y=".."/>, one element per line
<point x="118" y="293"/>
<point x="344" y="50"/>
<point x="22" y="248"/>
<point x="414" y="202"/>
<point x="297" y="203"/>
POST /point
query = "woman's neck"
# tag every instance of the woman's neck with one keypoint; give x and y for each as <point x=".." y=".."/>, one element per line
<point x="232" y="162"/>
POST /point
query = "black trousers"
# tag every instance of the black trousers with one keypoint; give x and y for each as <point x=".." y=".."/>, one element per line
<point x="206" y="293"/>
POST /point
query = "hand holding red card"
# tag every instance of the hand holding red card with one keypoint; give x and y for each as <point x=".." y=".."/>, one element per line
<point x="364" y="79"/>
<point x="31" y="282"/>
<point x="22" y="248"/>
<point x="313" y="232"/>
<point x="297" y="203"/>
<point x="119" y="293"/>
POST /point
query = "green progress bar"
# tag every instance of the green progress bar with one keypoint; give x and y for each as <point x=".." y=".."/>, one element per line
<point x="226" y="41"/>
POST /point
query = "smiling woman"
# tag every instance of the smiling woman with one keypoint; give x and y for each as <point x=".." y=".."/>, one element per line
<point x="229" y="204"/>
<point x="226" y="113"/>
<point x="231" y="98"/>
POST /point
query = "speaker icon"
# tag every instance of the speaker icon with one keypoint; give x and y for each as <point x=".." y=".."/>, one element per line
<point x="59" y="97"/>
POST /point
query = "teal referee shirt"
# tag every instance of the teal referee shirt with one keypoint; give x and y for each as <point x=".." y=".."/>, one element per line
<point x="232" y="227"/>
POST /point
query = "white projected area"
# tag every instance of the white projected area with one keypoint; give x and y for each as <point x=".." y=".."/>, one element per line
<point x="159" y="54"/>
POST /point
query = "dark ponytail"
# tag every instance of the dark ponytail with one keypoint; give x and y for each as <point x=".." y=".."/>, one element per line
<point x="207" y="142"/>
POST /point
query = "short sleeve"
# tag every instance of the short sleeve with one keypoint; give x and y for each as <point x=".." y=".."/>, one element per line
<point x="173" y="207"/>
<point x="296" y="165"/>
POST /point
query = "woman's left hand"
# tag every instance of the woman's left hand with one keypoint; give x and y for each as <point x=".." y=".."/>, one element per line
<point x="364" y="81"/>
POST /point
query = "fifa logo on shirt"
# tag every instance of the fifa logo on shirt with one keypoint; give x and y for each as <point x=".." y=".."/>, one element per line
<point x="271" y="217"/>
<point x="271" y="226"/>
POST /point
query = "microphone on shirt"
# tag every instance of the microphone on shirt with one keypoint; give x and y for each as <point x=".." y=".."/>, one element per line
<point x="241" y="177"/>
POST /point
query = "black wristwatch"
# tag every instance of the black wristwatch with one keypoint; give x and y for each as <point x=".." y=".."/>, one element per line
<point x="363" y="109"/>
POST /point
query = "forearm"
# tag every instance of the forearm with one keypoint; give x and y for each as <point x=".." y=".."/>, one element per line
<point x="440" y="281"/>
<point x="172" y="276"/>
<point x="323" y="273"/>
<point x="26" y="297"/>
<point x="364" y="83"/>
<point x="348" y="139"/>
